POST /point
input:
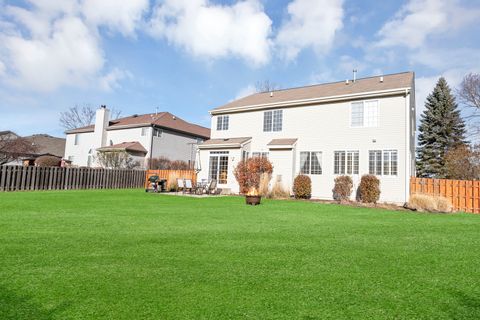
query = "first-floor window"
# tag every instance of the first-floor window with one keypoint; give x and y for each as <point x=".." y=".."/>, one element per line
<point x="383" y="162"/>
<point x="346" y="162"/>
<point x="245" y="155"/>
<point x="218" y="167"/>
<point x="311" y="162"/>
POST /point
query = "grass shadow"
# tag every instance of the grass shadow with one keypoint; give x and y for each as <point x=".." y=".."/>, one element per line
<point x="21" y="307"/>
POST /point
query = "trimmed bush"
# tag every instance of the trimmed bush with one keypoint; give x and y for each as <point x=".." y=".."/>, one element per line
<point x="369" y="189"/>
<point x="48" y="161"/>
<point x="343" y="188"/>
<point x="249" y="172"/>
<point x="423" y="202"/>
<point x="302" y="187"/>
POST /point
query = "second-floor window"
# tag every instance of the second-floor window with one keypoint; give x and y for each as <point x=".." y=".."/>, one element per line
<point x="260" y="154"/>
<point x="311" y="162"/>
<point x="144" y="131"/>
<point x="222" y="122"/>
<point x="346" y="162"/>
<point x="272" y="120"/>
<point x="77" y="139"/>
<point x="364" y="114"/>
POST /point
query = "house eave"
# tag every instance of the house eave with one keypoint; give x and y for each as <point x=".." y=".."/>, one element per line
<point x="296" y="103"/>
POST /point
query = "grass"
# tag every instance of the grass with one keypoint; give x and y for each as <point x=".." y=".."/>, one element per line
<point x="130" y="255"/>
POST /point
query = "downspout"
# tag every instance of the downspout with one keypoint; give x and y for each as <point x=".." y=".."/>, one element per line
<point x="151" y="147"/>
<point x="407" y="147"/>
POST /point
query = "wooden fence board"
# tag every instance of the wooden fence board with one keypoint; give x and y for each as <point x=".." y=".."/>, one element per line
<point x="463" y="194"/>
<point x="13" y="178"/>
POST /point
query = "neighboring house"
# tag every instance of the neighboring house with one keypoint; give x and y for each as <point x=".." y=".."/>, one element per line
<point x="41" y="145"/>
<point x="142" y="136"/>
<point x="343" y="128"/>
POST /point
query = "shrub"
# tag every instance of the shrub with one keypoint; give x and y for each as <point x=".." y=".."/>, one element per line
<point x="343" y="188"/>
<point x="423" y="202"/>
<point x="264" y="184"/>
<point x="369" y="189"/>
<point x="163" y="163"/>
<point x="48" y="161"/>
<point x="279" y="191"/>
<point x="248" y="172"/>
<point x="302" y="187"/>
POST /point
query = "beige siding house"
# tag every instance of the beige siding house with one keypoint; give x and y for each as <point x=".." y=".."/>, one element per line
<point x="143" y="136"/>
<point x="343" y="128"/>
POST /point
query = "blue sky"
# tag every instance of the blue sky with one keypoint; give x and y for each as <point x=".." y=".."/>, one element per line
<point x="189" y="56"/>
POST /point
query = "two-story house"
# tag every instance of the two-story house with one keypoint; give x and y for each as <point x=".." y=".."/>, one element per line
<point x="143" y="137"/>
<point x="353" y="127"/>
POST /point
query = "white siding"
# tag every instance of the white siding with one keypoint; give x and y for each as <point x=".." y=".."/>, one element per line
<point x="326" y="128"/>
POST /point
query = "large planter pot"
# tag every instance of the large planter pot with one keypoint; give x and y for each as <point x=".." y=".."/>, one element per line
<point x="253" y="200"/>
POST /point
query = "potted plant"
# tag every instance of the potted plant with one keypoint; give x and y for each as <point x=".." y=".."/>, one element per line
<point x="248" y="174"/>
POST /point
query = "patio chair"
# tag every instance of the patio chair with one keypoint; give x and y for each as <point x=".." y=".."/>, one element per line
<point x="180" y="185"/>
<point x="212" y="187"/>
<point x="189" y="186"/>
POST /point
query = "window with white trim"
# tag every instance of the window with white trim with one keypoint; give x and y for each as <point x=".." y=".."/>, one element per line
<point x="144" y="131"/>
<point x="77" y="139"/>
<point x="346" y="162"/>
<point x="311" y="162"/>
<point x="260" y="154"/>
<point x="364" y="114"/>
<point x="218" y="166"/>
<point x="383" y="162"/>
<point x="273" y="120"/>
<point x="222" y="123"/>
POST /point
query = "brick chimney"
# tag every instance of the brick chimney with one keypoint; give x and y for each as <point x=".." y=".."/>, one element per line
<point x="102" y="117"/>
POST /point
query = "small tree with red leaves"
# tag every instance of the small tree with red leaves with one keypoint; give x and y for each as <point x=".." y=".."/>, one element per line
<point x="248" y="172"/>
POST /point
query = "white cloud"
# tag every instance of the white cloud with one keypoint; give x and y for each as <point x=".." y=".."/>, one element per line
<point x="70" y="55"/>
<point x="215" y="31"/>
<point x="311" y="23"/>
<point x="246" y="91"/>
<point x="122" y="16"/>
<point x="419" y="19"/>
<point x="112" y="80"/>
<point x="50" y="44"/>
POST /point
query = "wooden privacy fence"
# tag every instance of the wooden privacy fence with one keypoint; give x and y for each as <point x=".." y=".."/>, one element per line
<point x="463" y="194"/>
<point x="171" y="175"/>
<point x="17" y="178"/>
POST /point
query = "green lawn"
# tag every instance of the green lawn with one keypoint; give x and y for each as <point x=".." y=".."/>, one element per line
<point x="130" y="255"/>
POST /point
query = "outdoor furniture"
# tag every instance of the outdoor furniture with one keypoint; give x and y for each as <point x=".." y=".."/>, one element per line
<point x="212" y="186"/>
<point x="188" y="186"/>
<point x="180" y="185"/>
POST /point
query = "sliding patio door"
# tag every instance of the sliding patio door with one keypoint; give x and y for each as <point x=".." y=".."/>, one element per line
<point x="218" y="166"/>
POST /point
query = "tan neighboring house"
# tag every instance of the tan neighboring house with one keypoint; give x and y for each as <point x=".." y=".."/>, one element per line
<point x="42" y="145"/>
<point x="143" y="137"/>
<point x="351" y="127"/>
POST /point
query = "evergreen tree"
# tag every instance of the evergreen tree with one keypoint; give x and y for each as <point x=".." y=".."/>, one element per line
<point x="441" y="129"/>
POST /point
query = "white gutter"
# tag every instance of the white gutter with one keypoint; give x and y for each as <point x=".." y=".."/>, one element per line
<point x="294" y="103"/>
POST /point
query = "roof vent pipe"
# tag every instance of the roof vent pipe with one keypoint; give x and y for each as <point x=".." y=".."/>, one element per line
<point x="354" y="75"/>
<point x="381" y="79"/>
<point x="346" y="81"/>
<point x="271" y="94"/>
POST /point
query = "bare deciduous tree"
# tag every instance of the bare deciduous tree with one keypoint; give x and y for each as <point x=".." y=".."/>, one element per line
<point x="469" y="92"/>
<point x="77" y="117"/>
<point x="116" y="160"/>
<point x="463" y="163"/>
<point x="266" y="86"/>
<point x="469" y="95"/>
<point x="13" y="147"/>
